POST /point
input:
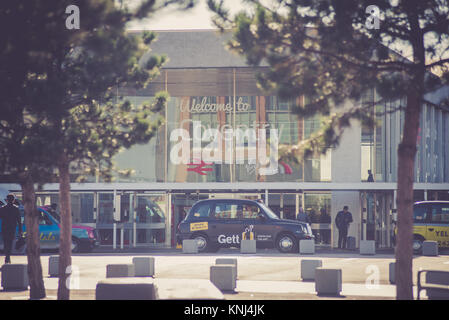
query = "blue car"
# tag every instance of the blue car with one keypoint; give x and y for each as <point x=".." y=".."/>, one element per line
<point x="84" y="239"/>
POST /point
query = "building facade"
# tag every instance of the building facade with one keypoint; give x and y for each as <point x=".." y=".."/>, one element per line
<point x="221" y="138"/>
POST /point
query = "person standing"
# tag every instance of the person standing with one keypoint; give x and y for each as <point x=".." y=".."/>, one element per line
<point x="302" y="216"/>
<point x="343" y="220"/>
<point x="370" y="176"/>
<point x="10" y="216"/>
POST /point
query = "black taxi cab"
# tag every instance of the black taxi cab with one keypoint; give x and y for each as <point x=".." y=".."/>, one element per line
<point x="217" y="223"/>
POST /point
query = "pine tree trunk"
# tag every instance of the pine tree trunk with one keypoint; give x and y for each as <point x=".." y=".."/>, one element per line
<point x="406" y="163"/>
<point x="406" y="169"/>
<point x="36" y="281"/>
<point x="65" y="242"/>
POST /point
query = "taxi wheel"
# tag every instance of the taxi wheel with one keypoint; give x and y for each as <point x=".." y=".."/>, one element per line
<point x="286" y="243"/>
<point x="417" y="243"/>
<point x="203" y="242"/>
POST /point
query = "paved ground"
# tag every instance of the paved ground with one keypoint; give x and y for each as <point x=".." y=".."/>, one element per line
<point x="267" y="275"/>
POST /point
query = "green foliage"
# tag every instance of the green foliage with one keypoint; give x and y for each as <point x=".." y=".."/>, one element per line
<point x="60" y="85"/>
<point x="325" y="51"/>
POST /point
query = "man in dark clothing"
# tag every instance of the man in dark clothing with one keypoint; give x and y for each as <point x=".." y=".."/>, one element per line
<point x="302" y="216"/>
<point x="370" y="176"/>
<point x="10" y="216"/>
<point x="342" y="220"/>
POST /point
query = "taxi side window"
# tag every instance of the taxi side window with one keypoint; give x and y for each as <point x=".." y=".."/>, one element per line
<point x="202" y="211"/>
<point x="228" y="211"/>
<point x="236" y="211"/>
<point x="420" y="213"/>
<point x="250" y="211"/>
<point x="440" y="214"/>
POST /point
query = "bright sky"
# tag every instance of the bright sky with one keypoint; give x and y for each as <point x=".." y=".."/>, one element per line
<point x="200" y="17"/>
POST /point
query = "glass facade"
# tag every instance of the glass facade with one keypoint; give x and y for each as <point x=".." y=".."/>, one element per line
<point x="143" y="217"/>
<point x="82" y="205"/>
<point x="221" y="128"/>
<point x="318" y="208"/>
<point x="379" y="144"/>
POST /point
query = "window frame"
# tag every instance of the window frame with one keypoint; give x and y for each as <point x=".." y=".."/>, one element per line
<point x="192" y="212"/>
<point x="428" y="214"/>
<point x="437" y="210"/>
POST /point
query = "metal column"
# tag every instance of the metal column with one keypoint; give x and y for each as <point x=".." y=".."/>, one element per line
<point x="114" y="224"/>
<point x="133" y="202"/>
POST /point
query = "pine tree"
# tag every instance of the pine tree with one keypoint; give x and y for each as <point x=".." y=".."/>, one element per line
<point x="334" y="51"/>
<point x="62" y="72"/>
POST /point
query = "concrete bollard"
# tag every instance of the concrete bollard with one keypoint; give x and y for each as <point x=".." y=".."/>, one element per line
<point x="228" y="261"/>
<point x="308" y="268"/>
<point x="125" y="289"/>
<point x="53" y="266"/>
<point x="307" y="246"/>
<point x="248" y="246"/>
<point x="328" y="281"/>
<point x="119" y="270"/>
<point x="223" y="276"/>
<point x="15" y="277"/>
<point x="350" y="243"/>
<point x="189" y="246"/>
<point x="430" y="248"/>
<point x="392" y="272"/>
<point x="143" y="266"/>
<point x="367" y="247"/>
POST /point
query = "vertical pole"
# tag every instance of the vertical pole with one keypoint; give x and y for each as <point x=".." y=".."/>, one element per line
<point x="388" y="208"/>
<point x="304" y="138"/>
<point x="374" y="140"/>
<point x="375" y="217"/>
<point x="131" y="215"/>
<point x="168" y="220"/>
<point x="296" y="204"/>
<point x="114" y="225"/>
<point x="166" y="132"/>
<point x="364" y="207"/>
<point x="95" y="208"/>
<point x="122" y="227"/>
<point x="114" y="240"/>
<point x="266" y="197"/>
<point x="122" y="235"/>
<point x="282" y="205"/>
<point x="134" y="220"/>
<point x="395" y="195"/>
<point x="232" y="165"/>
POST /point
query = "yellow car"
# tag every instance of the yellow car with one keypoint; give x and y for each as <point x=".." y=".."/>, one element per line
<point x="431" y="222"/>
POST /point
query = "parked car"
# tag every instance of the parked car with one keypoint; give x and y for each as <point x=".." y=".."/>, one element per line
<point x="217" y="223"/>
<point x="84" y="239"/>
<point x="430" y="222"/>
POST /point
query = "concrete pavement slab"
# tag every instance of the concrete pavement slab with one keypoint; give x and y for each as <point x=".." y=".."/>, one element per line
<point x="267" y="267"/>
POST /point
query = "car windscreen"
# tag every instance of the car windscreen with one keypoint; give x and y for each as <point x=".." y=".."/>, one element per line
<point x="200" y="211"/>
<point x="55" y="215"/>
<point x="268" y="211"/>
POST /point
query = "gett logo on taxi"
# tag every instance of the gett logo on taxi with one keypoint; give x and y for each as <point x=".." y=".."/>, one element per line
<point x="229" y="240"/>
